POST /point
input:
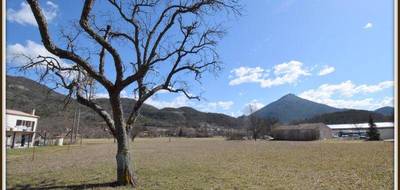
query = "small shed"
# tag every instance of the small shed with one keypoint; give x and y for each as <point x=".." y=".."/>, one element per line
<point x="302" y="132"/>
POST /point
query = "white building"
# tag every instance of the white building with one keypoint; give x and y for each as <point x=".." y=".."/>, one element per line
<point x="386" y="130"/>
<point x="20" y="128"/>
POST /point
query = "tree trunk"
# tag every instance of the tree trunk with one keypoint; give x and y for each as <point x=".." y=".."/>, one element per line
<point x="125" y="172"/>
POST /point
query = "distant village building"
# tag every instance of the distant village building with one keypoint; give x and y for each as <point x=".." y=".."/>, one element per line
<point x="301" y="132"/>
<point x="359" y="130"/>
<point x="20" y="128"/>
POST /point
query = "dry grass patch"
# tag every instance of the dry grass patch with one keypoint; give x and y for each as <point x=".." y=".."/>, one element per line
<point x="210" y="163"/>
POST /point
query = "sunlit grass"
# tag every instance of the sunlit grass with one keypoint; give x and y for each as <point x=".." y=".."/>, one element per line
<point x="211" y="163"/>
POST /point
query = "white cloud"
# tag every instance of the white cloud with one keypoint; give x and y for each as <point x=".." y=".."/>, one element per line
<point x="224" y="105"/>
<point x="345" y="90"/>
<point x="177" y="102"/>
<point x="21" y="54"/>
<point x="285" y="73"/>
<point x="124" y="94"/>
<point x="252" y="106"/>
<point x="101" y="95"/>
<point x="17" y="53"/>
<point x="162" y="91"/>
<point x="368" y="25"/>
<point x="182" y="101"/>
<point x="248" y="75"/>
<point x="52" y="5"/>
<point x="367" y="103"/>
<point x="326" y="70"/>
<point x="24" y="15"/>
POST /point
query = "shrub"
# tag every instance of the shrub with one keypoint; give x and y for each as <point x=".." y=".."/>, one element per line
<point x="235" y="136"/>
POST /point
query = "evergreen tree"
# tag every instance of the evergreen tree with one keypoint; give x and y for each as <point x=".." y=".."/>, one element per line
<point x="373" y="133"/>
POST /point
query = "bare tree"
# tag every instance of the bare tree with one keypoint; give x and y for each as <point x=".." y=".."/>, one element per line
<point x="253" y="121"/>
<point x="166" y="38"/>
<point x="259" y="127"/>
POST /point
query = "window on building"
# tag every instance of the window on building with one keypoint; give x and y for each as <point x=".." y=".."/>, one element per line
<point x="28" y="124"/>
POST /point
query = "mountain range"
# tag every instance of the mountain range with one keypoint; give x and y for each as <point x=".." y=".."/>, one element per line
<point x="25" y="95"/>
<point x="293" y="109"/>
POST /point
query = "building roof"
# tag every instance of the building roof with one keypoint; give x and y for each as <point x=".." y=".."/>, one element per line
<point x="16" y="112"/>
<point x="300" y="126"/>
<point x="361" y="125"/>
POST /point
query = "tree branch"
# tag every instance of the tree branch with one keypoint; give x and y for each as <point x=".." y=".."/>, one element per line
<point x="99" y="110"/>
<point x="85" y="25"/>
<point x="102" y="51"/>
<point x="52" y="48"/>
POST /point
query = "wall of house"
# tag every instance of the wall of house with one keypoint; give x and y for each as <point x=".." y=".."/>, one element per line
<point x="295" y="134"/>
<point x="386" y="133"/>
<point x="12" y="122"/>
<point x="325" y="132"/>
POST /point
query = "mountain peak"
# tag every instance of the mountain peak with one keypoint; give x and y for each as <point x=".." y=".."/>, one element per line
<point x="290" y="95"/>
<point x="386" y="111"/>
<point x="290" y="98"/>
<point x="291" y="108"/>
<point x="386" y="107"/>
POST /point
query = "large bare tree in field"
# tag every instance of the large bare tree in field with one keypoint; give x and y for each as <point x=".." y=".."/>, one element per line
<point x="166" y="39"/>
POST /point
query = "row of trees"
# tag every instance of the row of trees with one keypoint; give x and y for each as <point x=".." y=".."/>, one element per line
<point x="143" y="131"/>
<point x="253" y="127"/>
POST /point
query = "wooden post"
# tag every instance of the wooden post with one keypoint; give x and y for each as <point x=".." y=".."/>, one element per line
<point x="74" y="121"/>
<point x="29" y="140"/>
<point x="77" y="122"/>
<point x="45" y="138"/>
<point x="33" y="153"/>
<point x="71" y="132"/>
<point x="13" y="141"/>
<point x="81" y="139"/>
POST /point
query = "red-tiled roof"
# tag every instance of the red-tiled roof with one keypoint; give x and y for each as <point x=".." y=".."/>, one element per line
<point x="16" y="112"/>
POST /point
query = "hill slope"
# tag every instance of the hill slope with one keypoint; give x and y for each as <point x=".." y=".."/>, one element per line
<point x="291" y="108"/>
<point x="348" y="116"/>
<point x="386" y="111"/>
<point x="25" y="95"/>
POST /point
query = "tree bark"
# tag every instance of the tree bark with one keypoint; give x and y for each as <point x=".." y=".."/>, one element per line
<point x="125" y="172"/>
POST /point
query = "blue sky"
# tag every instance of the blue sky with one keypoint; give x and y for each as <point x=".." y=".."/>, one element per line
<point x="335" y="52"/>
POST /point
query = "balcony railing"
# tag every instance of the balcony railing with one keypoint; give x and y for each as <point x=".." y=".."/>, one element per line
<point x="19" y="128"/>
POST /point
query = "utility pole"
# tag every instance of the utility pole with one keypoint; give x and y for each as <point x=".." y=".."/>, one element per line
<point x="74" y="121"/>
<point x="77" y="122"/>
<point x="71" y="132"/>
<point x="45" y="138"/>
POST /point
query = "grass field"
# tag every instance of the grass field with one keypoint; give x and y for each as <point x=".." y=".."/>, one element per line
<point x="210" y="163"/>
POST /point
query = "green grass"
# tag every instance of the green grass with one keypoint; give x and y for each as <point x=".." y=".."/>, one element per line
<point x="210" y="163"/>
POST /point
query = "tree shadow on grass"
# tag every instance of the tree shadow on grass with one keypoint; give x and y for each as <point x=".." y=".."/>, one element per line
<point x="79" y="186"/>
